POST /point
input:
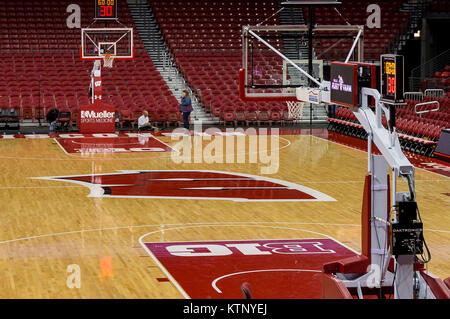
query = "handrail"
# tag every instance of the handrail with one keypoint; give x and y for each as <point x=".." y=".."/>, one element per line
<point x="435" y="92"/>
<point x="416" y="96"/>
<point x="427" y="103"/>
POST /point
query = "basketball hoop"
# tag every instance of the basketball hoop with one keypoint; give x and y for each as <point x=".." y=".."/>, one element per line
<point x="295" y="109"/>
<point x="108" y="60"/>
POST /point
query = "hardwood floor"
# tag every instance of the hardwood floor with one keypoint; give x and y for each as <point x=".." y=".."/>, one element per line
<point x="47" y="225"/>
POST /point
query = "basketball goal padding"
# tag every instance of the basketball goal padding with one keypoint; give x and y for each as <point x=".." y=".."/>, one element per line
<point x="97" y="118"/>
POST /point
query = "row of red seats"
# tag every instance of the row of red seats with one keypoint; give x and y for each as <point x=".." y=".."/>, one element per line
<point x="444" y="73"/>
<point x="440" y="79"/>
<point x="418" y="127"/>
<point x="188" y="46"/>
<point x="213" y="5"/>
<point x="221" y="20"/>
<point x="442" y="114"/>
<point x="440" y="6"/>
<point x="157" y="116"/>
<point x="216" y="89"/>
<point x="35" y="82"/>
<point x="248" y="115"/>
<point x="417" y="135"/>
<point x="393" y="23"/>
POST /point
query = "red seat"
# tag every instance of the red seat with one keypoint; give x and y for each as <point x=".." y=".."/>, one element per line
<point x="228" y="115"/>
<point x="263" y="116"/>
<point x="126" y="116"/>
<point x="160" y="117"/>
<point x="275" y="115"/>
<point x="250" y="115"/>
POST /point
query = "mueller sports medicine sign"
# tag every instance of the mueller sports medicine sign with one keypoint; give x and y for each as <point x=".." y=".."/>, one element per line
<point x="97" y="118"/>
<point x="92" y="116"/>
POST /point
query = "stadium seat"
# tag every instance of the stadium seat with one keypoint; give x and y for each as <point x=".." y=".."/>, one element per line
<point x="61" y="79"/>
<point x="126" y="116"/>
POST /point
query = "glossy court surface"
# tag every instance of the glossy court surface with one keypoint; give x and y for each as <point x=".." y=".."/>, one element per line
<point x="138" y="224"/>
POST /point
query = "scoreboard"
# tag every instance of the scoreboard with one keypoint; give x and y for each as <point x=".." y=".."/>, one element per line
<point x="344" y="84"/>
<point x="392" y="79"/>
<point x="347" y="80"/>
<point x="105" y="9"/>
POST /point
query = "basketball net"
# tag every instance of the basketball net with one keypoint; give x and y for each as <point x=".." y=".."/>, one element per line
<point x="295" y="109"/>
<point x="108" y="60"/>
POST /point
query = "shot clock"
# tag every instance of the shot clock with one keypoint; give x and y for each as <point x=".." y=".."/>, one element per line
<point x="392" y="79"/>
<point x="106" y="9"/>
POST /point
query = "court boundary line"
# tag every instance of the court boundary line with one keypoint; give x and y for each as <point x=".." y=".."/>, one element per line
<point x="155" y="138"/>
<point x="161" y="157"/>
<point x="82" y="157"/>
<point x="181" y="224"/>
<point x="165" y="271"/>
<point x="171" y="149"/>
<point x="57" y="142"/>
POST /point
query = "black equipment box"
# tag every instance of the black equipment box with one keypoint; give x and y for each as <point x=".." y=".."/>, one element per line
<point x="407" y="238"/>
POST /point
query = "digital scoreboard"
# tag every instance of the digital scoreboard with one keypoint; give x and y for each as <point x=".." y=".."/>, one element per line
<point x="105" y="9"/>
<point x="392" y="79"/>
<point x="347" y="80"/>
<point x="344" y="84"/>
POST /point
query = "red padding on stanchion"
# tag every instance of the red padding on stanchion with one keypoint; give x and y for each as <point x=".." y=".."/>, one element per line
<point x="447" y="282"/>
<point x="333" y="288"/>
<point x="365" y="218"/>
<point x="437" y="286"/>
<point x="351" y="265"/>
<point x="366" y="214"/>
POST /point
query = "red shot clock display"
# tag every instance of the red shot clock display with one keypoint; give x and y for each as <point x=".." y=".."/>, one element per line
<point x="105" y="9"/>
<point x="392" y="79"/>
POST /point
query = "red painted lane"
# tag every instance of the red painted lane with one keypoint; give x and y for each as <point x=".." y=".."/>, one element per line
<point x="273" y="268"/>
<point x="121" y="144"/>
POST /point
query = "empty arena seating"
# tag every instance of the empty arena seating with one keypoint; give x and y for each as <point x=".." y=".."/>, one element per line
<point x="210" y="56"/>
<point x="41" y="66"/>
<point x="440" y="6"/>
<point x="376" y="41"/>
<point x="439" y="80"/>
<point x="9" y="117"/>
<point x="417" y="133"/>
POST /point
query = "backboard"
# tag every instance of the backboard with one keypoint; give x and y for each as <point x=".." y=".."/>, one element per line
<point x="293" y="75"/>
<point x="96" y="42"/>
<point x="276" y="58"/>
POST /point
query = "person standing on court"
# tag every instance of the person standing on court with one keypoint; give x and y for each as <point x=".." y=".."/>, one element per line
<point x="186" y="108"/>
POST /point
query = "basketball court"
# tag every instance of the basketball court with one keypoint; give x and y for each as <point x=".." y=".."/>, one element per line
<point x="118" y="241"/>
<point x="330" y="182"/>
